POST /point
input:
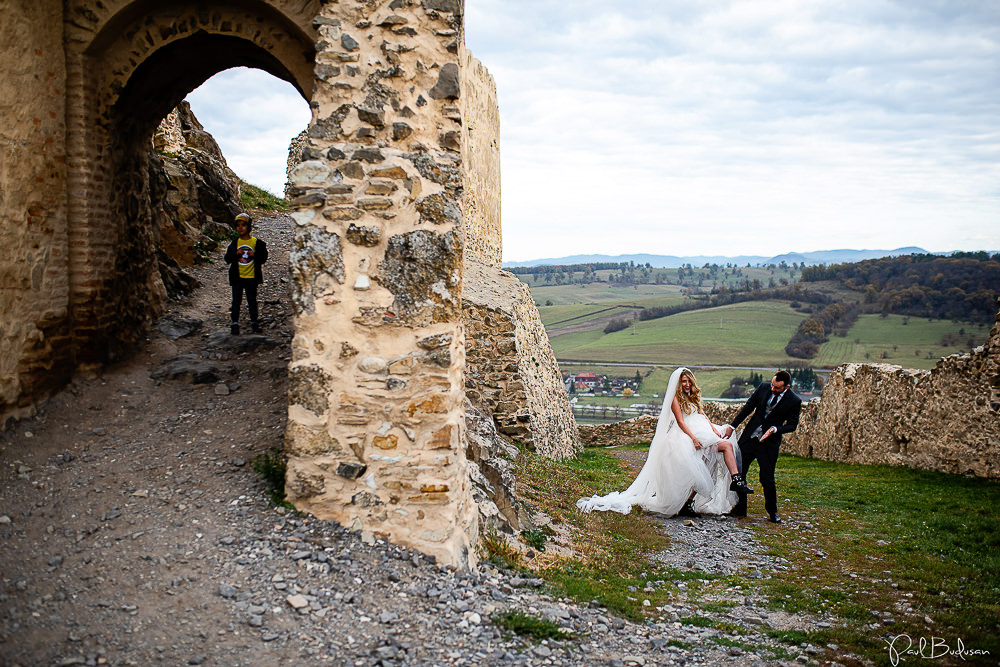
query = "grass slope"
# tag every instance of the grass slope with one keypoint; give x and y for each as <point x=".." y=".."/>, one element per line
<point x="888" y="550"/>
<point x="916" y="344"/>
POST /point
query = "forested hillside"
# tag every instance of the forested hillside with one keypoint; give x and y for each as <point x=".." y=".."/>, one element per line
<point x="963" y="286"/>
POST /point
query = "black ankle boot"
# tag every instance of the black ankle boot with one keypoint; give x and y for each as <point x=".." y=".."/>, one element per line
<point x="739" y="485"/>
<point x="688" y="509"/>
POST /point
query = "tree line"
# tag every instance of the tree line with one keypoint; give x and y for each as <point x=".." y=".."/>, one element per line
<point x="961" y="286"/>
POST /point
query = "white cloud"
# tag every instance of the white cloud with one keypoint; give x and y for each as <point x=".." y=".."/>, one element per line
<point x="697" y="126"/>
<point x="747" y="126"/>
<point x="254" y="117"/>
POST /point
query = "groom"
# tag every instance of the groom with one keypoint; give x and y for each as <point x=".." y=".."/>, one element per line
<point x="775" y="409"/>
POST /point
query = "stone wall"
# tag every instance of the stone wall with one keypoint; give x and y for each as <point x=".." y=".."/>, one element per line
<point x="480" y="137"/>
<point x="946" y="419"/>
<point x="36" y="357"/>
<point x="376" y="430"/>
<point x="641" y="429"/>
<point x="298" y="147"/>
<point x="511" y="372"/>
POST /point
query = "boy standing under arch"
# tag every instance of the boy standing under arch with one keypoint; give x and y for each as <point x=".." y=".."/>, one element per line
<point x="245" y="256"/>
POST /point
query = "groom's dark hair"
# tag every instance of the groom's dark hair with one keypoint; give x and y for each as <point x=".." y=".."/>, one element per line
<point x="783" y="376"/>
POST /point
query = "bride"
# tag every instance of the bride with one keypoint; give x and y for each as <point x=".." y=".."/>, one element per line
<point x="691" y="467"/>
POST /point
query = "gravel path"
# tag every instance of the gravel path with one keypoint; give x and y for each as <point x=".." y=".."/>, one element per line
<point x="134" y="531"/>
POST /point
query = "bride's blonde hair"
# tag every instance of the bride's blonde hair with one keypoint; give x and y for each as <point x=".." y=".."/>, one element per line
<point x="689" y="404"/>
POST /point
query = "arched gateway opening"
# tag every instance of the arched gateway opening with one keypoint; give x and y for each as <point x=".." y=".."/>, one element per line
<point x="135" y="63"/>
<point x="375" y="434"/>
<point x="395" y="264"/>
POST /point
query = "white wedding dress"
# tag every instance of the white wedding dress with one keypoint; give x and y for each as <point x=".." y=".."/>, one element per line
<point x="674" y="468"/>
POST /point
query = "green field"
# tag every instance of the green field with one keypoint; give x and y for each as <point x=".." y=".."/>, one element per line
<point x="650" y="295"/>
<point x="753" y="333"/>
<point x="560" y="315"/>
<point x="916" y="344"/>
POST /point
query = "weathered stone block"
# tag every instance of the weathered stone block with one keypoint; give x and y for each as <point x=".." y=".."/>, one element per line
<point x="439" y="209"/>
<point x="309" y="386"/>
<point x="422" y="270"/>
<point x="317" y="266"/>
<point x="363" y="235"/>
<point x="447" y="86"/>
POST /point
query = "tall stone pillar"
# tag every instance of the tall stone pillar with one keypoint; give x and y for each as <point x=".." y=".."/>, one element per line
<point x="376" y="424"/>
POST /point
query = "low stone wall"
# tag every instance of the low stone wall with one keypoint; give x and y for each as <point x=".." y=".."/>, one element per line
<point x="511" y="372"/>
<point x="641" y="429"/>
<point x="628" y="432"/>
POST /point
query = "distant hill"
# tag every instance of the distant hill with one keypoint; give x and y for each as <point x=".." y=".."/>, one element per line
<point x="673" y="261"/>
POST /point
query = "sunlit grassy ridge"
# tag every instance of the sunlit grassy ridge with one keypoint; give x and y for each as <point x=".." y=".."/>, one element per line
<point x="253" y="198"/>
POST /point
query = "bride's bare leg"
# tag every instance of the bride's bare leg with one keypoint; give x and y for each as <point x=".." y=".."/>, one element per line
<point x="726" y="448"/>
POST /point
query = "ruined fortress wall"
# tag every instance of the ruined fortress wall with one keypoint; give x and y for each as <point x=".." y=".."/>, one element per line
<point x="946" y="419"/>
<point x="35" y="356"/>
<point x="375" y="435"/>
<point x="511" y="372"/>
<point x="480" y="138"/>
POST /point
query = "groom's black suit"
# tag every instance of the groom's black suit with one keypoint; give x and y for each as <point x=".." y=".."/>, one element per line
<point x="784" y="416"/>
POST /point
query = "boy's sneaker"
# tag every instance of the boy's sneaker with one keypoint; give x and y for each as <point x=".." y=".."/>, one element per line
<point x="235" y="329"/>
<point x="254" y="327"/>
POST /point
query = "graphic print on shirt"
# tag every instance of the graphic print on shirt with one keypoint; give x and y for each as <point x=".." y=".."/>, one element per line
<point x="244" y="257"/>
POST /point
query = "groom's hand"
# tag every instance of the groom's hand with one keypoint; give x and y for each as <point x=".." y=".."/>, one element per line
<point x="729" y="431"/>
<point x="769" y="432"/>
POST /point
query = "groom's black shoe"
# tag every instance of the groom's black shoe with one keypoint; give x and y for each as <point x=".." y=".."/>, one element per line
<point x="774" y="518"/>
<point x="739" y="485"/>
<point x="688" y="509"/>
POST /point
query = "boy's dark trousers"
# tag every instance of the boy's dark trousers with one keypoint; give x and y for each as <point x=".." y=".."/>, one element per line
<point x="250" y="287"/>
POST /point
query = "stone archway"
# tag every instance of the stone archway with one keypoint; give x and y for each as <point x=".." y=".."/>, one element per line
<point x="128" y="65"/>
<point x="376" y="396"/>
<point x="396" y="195"/>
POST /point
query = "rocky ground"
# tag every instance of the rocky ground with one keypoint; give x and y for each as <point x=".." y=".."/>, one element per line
<point x="135" y="531"/>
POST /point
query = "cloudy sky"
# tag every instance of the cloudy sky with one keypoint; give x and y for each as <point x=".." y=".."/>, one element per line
<point x="694" y="127"/>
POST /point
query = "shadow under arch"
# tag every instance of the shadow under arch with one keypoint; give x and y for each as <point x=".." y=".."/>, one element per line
<point x="115" y="287"/>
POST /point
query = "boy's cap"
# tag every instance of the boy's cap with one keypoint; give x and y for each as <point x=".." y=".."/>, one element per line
<point x="243" y="216"/>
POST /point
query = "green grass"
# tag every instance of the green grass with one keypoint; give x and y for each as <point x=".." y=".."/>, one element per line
<point x="271" y="465"/>
<point x="916" y="344"/>
<point x="752" y="333"/>
<point x="253" y="198"/>
<point x="857" y="540"/>
<point x="581" y="312"/>
<point x="891" y="536"/>
<point x="530" y="626"/>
